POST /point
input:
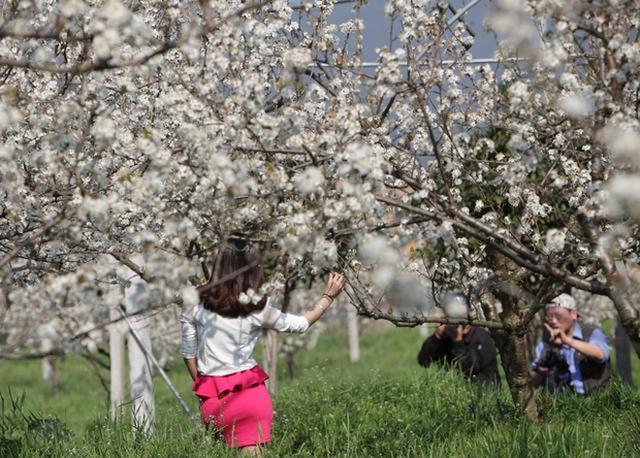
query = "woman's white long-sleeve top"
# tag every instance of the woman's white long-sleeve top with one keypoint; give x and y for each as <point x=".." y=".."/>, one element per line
<point x="224" y="345"/>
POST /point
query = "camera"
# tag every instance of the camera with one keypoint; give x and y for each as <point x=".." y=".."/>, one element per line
<point x="558" y="377"/>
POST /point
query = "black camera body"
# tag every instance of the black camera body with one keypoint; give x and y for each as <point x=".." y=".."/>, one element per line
<point x="558" y="377"/>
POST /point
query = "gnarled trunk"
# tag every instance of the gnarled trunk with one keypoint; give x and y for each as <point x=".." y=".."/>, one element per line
<point x="514" y="354"/>
<point x="623" y="356"/>
<point x="618" y="284"/>
<point x="512" y="340"/>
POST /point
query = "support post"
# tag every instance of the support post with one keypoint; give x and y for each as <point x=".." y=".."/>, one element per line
<point x="353" y="331"/>
<point x="116" y="367"/>
<point x="139" y="341"/>
<point x="270" y="358"/>
<point x="140" y="375"/>
<point x="46" y="333"/>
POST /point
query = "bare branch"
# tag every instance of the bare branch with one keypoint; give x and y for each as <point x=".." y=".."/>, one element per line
<point x="378" y="227"/>
<point x="44" y="35"/>
<point x="250" y="149"/>
<point x="26" y="356"/>
<point x="413" y="321"/>
<point x="133" y="266"/>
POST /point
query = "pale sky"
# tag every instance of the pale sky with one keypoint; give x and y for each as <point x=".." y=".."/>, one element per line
<point x="376" y="33"/>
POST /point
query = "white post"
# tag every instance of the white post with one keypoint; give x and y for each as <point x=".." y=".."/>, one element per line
<point x="270" y="358"/>
<point x="140" y="369"/>
<point x="424" y="330"/>
<point x="354" y="338"/>
<point x="116" y="363"/>
<point x="47" y="365"/>
<point x="140" y="376"/>
<point x="46" y="333"/>
<point x="141" y="345"/>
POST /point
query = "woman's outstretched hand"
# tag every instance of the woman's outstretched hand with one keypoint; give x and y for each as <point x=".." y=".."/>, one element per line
<point x="335" y="285"/>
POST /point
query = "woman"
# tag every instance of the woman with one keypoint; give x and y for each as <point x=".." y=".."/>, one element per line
<point x="219" y="336"/>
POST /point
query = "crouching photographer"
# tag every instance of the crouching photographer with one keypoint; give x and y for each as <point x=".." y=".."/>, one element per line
<point x="571" y="356"/>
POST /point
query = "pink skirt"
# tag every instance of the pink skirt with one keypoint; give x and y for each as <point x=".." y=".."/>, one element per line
<point x="237" y="405"/>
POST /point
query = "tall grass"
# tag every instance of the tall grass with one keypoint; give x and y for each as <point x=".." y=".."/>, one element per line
<point x="382" y="406"/>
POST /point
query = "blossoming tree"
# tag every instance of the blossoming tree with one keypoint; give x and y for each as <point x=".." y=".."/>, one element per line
<point x="153" y="131"/>
<point x="156" y="132"/>
<point x="525" y="196"/>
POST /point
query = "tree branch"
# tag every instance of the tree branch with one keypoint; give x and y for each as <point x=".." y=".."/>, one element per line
<point x="106" y="64"/>
<point x="537" y="266"/>
<point x="36" y="234"/>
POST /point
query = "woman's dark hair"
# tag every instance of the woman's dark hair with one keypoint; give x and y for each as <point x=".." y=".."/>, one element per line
<point x="242" y="266"/>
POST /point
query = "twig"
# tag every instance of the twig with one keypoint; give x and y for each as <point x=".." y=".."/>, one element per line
<point x="41" y="231"/>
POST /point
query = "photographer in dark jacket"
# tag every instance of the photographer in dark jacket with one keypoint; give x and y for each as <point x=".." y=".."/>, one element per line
<point x="470" y="347"/>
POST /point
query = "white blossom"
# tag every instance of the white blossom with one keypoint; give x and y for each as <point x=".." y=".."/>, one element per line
<point x="623" y="197"/>
<point x="310" y="180"/>
<point x="455" y="306"/>
<point x="297" y="58"/>
<point x="555" y="241"/>
<point x="575" y="105"/>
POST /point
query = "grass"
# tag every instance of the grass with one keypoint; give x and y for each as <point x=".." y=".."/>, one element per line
<point x="384" y="405"/>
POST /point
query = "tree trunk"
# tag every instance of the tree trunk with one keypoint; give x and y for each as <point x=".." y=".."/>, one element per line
<point x="354" y="339"/>
<point x="50" y="373"/>
<point x="47" y="367"/>
<point x="623" y="356"/>
<point x="291" y="364"/>
<point x="272" y="342"/>
<point x="513" y="354"/>
<point x="532" y="335"/>
<point x="627" y="313"/>
<point x="512" y="340"/>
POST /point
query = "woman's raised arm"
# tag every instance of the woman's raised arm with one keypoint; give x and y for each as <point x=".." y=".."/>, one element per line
<point x="335" y="286"/>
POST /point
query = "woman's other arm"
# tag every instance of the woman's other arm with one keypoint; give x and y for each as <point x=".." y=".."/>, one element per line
<point x="189" y="341"/>
<point x="192" y="367"/>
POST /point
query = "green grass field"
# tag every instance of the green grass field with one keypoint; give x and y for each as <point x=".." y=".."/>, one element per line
<point x="384" y="405"/>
